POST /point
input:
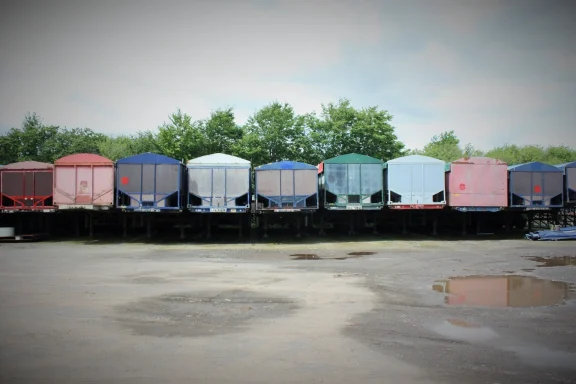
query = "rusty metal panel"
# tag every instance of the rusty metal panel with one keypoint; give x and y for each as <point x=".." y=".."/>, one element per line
<point x="415" y="182"/>
<point x="26" y="186"/>
<point x="477" y="182"/>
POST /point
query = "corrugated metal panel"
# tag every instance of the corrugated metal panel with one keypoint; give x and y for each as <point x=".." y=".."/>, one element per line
<point x="26" y="185"/>
<point x="28" y="165"/>
<point x="285" y="165"/>
<point x="150" y="182"/>
<point x="84" y="158"/>
<point x="219" y="159"/>
<point x="477" y="182"/>
<point x="536" y="185"/>
<point x="83" y="180"/>
<point x="416" y="182"/>
<point x="569" y="170"/>
<point x="148" y="158"/>
<point x="287" y="185"/>
<point x="534" y="166"/>
<point x="353" y="158"/>
<point x="219" y="183"/>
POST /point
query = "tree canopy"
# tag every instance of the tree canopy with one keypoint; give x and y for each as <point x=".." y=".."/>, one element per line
<point x="273" y="133"/>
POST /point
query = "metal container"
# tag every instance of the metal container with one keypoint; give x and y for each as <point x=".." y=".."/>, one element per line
<point x="535" y="185"/>
<point x="569" y="171"/>
<point x="477" y="184"/>
<point x="352" y="181"/>
<point x="149" y="182"/>
<point x="286" y="186"/>
<point x="219" y="183"/>
<point x="26" y="186"/>
<point x="415" y="182"/>
<point x="83" y="181"/>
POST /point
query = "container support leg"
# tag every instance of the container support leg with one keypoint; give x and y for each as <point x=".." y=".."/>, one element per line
<point x="404" y="223"/>
<point x="464" y="222"/>
<point x="47" y="224"/>
<point x="435" y="224"/>
<point x="208" y="226"/>
<point x="77" y="224"/>
<point x="479" y="224"/>
<point x="91" y="219"/>
<point x="240" y="225"/>
<point x="322" y="232"/>
<point x="149" y="226"/>
<point x="351" y="231"/>
<point x="530" y="221"/>
<point x="265" y="226"/>
<point x="182" y="228"/>
<point x="298" y="219"/>
<point x="124" y="224"/>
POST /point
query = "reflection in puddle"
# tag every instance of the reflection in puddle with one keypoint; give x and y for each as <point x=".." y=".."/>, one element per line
<point x="503" y="291"/>
<point x="560" y="261"/>
<point x="464" y="331"/>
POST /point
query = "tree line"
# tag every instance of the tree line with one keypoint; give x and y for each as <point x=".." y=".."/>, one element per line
<point x="273" y="133"/>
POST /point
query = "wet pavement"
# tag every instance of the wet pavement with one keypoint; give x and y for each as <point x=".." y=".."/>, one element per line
<point x="368" y="312"/>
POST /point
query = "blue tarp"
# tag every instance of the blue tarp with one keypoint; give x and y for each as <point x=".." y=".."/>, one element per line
<point x="148" y="158"/>
<point x="285" y="165"/>
<point x="534" y="166"/>
<point x="566" y="233"/>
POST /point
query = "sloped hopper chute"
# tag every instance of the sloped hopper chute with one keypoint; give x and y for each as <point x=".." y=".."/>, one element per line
<point x="535" y="185"/>
<point x="149" y="182"/>
<point x="218" y="183"/>
<point x="286" y="186"/>
<point x="415" y="182"/>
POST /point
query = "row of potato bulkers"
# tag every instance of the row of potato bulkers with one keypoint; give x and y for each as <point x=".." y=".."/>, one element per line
<point x="88" y="179"/>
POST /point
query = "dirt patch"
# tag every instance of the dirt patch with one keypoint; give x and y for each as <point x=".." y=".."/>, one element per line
<point x="196" y="314"/>
<point x="559" y="261"/>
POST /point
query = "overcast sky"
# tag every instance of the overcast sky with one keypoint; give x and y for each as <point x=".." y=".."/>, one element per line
<point x="493" y="71"/>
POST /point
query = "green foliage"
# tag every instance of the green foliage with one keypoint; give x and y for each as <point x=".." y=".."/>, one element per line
<point x="344" y="129"/>
<point x="445" y="147"/>
<point x="273" y="133"/>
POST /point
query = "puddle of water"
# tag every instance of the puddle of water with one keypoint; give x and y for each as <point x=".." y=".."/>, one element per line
<point x="503" y="291"/>
<point x="528" y="269"/>
<point x="305" y="256"/>
<point x="559" y="261"/>
<point x="313" y="256"/>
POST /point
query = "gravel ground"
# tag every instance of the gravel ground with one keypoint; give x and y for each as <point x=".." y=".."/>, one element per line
<point x="315" y="312"/>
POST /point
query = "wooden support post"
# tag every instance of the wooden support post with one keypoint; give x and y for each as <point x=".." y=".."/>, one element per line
<point x="182" y="227"/>
<point x="208" y="226"/>
<point x="265" y="226"/>
<point x="405" y="218"/>
<point x="240" y="224"/>
<point x="298" y="234"/>
<point x="351" y="231"/>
